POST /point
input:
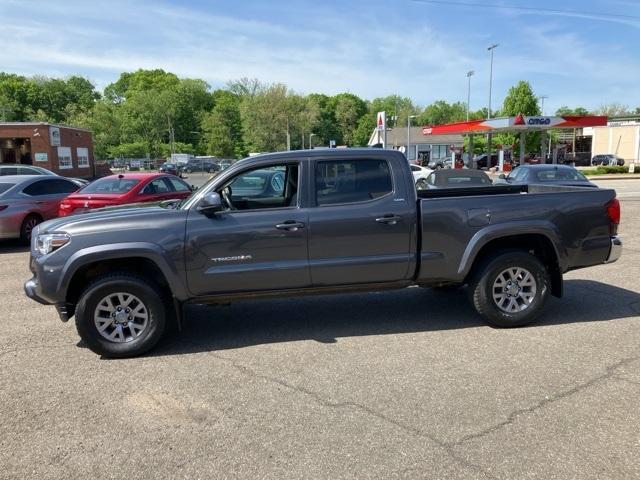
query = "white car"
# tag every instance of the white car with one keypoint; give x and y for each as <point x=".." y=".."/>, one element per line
<point x="420" y="175"/>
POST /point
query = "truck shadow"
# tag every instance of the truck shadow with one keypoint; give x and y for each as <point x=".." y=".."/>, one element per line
<point x="325" y="320"/>
<point x="12" y="246"/>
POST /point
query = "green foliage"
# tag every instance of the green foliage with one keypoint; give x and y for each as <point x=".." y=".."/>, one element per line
<point x="441" y="112"/>
<point x="222" y="127"/>
<point x="520" y="100"/>
<point x="348" y="109"/>
<point x="564" y="111"/>
<point x="613" y="110"/>
<point x="606" y="170"/>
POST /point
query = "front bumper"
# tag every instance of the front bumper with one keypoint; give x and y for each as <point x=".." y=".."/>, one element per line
<point x="616" y="249"/>
<point x="31" y="288"/>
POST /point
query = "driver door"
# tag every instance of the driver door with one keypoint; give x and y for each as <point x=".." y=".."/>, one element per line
<point x="259" y="242"/>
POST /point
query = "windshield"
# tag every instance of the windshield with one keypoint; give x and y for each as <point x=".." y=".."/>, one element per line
<point x="559" y="175"/>
<point x="111" y="186"/>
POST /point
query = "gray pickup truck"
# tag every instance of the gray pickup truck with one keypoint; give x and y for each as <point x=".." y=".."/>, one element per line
<point x="315" y="222"/>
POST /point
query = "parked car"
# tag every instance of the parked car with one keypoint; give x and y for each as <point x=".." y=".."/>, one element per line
<point x="481" y="160"/>
<point x="170" y="168"/>
<point x="224" y="164"/>
<point x="196" y="165"/>
<point x="608" y="160"/>
<point x="457" y="178"/>
<point x="20" y="169"/>
<point x="27" y="200"/>
<point x="344" y="221"/>
<point x="420" y="175"/>
<point x="436" y="163"/>
<point x="123" y="189"/>
<point x="548" y="174"/>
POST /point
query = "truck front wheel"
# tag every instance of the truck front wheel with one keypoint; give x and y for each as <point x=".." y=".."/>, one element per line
<point x="121" y="315"/>
<point x="510" y="289"/>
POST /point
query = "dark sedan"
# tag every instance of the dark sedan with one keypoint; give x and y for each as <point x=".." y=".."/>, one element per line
<point x="547" y="174"/>
<point x="170" y="168"/>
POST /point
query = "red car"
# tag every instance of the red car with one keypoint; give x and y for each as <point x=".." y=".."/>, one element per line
<point x="125" y="188"/>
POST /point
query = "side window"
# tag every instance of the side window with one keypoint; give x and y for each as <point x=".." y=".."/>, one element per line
<point x="37" y="188"/>
<point x="8" y="171"/>
<point x="156" y="187"/>
<point x="27" y="171"/>
<point x="274" y="186"/>
<point x="349" y="181"/>
<point x="179" y="185"/>
<point x="60" y="185"/>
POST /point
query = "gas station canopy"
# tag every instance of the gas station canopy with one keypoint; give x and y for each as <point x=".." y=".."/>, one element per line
<point x="519" y="123"/>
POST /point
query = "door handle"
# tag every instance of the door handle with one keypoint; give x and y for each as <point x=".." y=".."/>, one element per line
<point x="389" y="219"/>
<point x="290" y="226"/>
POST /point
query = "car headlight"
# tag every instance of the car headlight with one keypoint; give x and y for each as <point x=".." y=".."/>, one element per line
<point x="48" y="242"/>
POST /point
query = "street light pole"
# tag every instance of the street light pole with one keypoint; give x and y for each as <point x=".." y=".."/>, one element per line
<point x="469" y="75"/>
<point x="542" y="99"/>
<point x="491" y="49"/>
<point x="311" y="135"/>
<point x="409" y="117"/>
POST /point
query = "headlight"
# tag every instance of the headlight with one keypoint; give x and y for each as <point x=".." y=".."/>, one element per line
<point x="48" y="242"/>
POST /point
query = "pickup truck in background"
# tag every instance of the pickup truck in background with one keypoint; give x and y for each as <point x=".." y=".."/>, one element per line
<point x="310" y="222"/>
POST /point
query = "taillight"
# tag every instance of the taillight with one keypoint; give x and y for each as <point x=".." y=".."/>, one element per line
<point x="613" y="213"/>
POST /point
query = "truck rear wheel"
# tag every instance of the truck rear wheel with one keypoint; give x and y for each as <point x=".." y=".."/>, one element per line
<point x="121" y="315"/>
<point x="510" y="289"/>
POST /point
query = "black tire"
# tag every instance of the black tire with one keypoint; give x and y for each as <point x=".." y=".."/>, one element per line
<point x="483" y="283"/>
<point x="29" y="222"/>
<point x="146" y="291"/>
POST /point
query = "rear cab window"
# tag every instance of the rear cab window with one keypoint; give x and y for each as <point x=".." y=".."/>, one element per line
<point x="111" y="185"/>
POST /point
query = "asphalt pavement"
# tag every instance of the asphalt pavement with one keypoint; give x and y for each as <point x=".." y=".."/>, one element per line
<point x="403" y="384"/>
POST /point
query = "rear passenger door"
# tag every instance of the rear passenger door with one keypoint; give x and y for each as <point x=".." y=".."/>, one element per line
<point x="361" y="224"/>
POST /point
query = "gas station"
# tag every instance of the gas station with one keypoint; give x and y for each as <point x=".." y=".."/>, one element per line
<point x="520" y="124"/>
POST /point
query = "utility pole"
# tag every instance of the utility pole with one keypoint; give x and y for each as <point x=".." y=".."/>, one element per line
<point x="470" y="73"/>
<point x="311" y="135"/>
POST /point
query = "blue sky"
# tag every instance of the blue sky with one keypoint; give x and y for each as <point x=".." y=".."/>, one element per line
<point x="413" y="48"/>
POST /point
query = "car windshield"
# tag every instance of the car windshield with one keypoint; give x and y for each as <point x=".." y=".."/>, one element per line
<point x="111" y="185"/>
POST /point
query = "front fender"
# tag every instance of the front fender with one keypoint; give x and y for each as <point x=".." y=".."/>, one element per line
<point x="148" y="250"/>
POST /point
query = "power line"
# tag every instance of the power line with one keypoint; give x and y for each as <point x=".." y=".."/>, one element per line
<point x="529" y="9"/>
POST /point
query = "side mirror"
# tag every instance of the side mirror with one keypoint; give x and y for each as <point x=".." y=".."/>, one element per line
<point x="211" y="204"/>
<point x="502" y="176"/>
<point x="193" y="188"/>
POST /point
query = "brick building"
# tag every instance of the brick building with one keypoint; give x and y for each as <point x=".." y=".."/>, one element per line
<point x="67" y="151"/>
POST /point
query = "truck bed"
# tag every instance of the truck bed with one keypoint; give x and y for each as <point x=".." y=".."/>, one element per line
<point x="457" y="223"/>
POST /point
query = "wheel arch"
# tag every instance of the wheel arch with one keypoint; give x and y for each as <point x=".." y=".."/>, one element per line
<point x="538" y="244"/>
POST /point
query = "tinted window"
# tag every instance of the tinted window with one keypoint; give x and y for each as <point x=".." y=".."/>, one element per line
<point x="460" y="181"/>
<point x="37" y="188"/>
<point x="415" y="168"/>
<point x="28" y="171"/>
<point x="53" y="186"/>
<point x="111" y="185"/>
<point x="346" y="181"/>
<point x="8" y="171"/>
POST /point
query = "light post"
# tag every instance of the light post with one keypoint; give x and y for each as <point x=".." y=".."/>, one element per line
<point x="491" y="49"/>
<point x="542" y="99"/>
<point x="409" y="117"/>
<point x="470" y="73"/>
<point x="311" y="135"/>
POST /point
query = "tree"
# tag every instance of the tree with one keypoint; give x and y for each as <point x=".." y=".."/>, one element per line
<point x="520" y="100"/>
<point x="264" y="119"/>
<point x="222" y="127"/>
<point x="613" y="110"/>
<point x="440" y="112"/>
<point x="566" y="111"/>
<point x="348" y="109"/>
